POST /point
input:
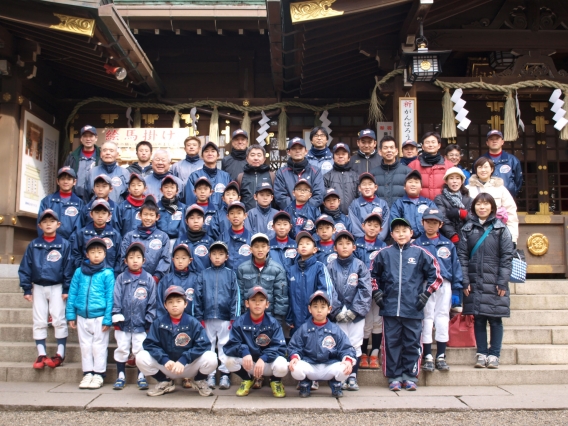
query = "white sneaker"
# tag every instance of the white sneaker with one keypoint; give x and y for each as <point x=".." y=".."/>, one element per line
<point x="86" y="381"/>
<point x="96" y="382"/>
<point x="202" y="387"/>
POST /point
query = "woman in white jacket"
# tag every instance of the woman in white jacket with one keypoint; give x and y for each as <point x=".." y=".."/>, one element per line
<point x="483" y="181"/>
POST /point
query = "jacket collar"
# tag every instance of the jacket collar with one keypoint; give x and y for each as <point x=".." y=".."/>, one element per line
<point x="57" y="243"/>
<point x="502" y="159"/>
<point x="274" y="244"/>
<point x="72" y="200"/>
<point x="425" y="164"/>
<point x="423" y="240"/>
<point x="363" y="202"/>
<point x="389" y="166"/>
<point x="166" y="322"/>
<point x="362" y="155"/>
<point x="360" y="242"/>
<point x="494" y="182"/>
<point x="313" y="328"/>
<point x="421" y="199"/>
<point x="143" y="278"/>
<point x="108" y="229"/>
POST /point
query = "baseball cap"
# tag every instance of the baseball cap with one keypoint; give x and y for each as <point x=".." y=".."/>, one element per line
<point x="264" y="186"/>
<point x="239" y="132"/>
<point x="494" y="132"/>
<point x="182" y="247"/>
<point x="236" y="204"/>
<point x="413" y="174"/>
<point x="304" y="234"/>
<point x="174" y="289"/>
<point x="255" y="290"/>
<point x="100" y="202"/>
<point x="409" y="142"/>
<point x="136" y="245"/>
<point x="48" y="212"/>
<point x="203" y="179"/>
<point x="209" y="144"/>
<point x="331" y="192"/>
<point x="341" y="145"/>
<point x="302" y="181"/>
<point x="194" y="208"/>
<point x="150" y="199"/>
<point x="454" y="171"/>
<point x="319" y="293"/>
<point x="343" y="234"/>
<point x="399" y="221"/>
<point x="168" y="178"/>
<point x="67" y="170"/>
<point x="219" y="244"/>
<point x="296" y="141"/>
<point x="433" y="214"/>
<point x="374" y="216"/>
<point x="105" y="178"/>
<point x="233" y="185"/>
<point x="136" y="176"/>
<point x="259" y="236"/>
<point x="367" y="133"/>
<point x="282" y="215"/>
<point x="367" y="175"/>
<point x="96" y="241"/>
<point x="325" y="218"/>
<point x="88" y="128"/>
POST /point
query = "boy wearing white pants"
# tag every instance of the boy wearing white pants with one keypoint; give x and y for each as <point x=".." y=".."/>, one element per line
<point x="437" y="309"/>
<point x="89" y="309"/>
<point x="45" y="273"/>
<point x="134" y="310"/>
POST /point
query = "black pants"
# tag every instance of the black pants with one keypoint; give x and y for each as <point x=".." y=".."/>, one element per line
<point x="402" y="348"/>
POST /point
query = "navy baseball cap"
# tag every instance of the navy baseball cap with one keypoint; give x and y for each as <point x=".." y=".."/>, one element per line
<point x="136" y="176"/>
<point x="239" y="132"/>
<point x="67" y="170"/>
<point x="194" y="208"/>
<point x="341" y="145"/>
<point x="319" y="293"/>
<point x="175" y="289"/>
<point x="399" y="221"/>
<point x="233" y="185"/>
<point x="48" y="212"/>
<point x="413" y="174"/>
<point x="367" y="175"/>
<point x="367" y="133"/>
<point x="97" y="241"/>
<point x="209" y="144"/>
<point x="219" y="244"/>
<point x="410" y="142"/>
<point x="374" y="216"/>
<point x="343" y="234"/>
<point x="182" y="247"/>
<point x="236" y="204"/>
<point x="331" y="192"/>
<point x="304" y="234"/>
<point x="300" y="181"/>
<point x="203" y="179"/>
<point x="136" y="245"/>
<point x="104" y="178"/>
<point x="296" y="141"/>
<point x="255" y="290"/>
<point x="433" y="214"/>
<point x="168" y="178"/>
<point x="100" y="202"/>
<point x="88" y="128"/>
<point x="282" y="215"/>
<point x="264" y="186"/>
<point x="325" y="218"/>
<point x="493" y="133"/>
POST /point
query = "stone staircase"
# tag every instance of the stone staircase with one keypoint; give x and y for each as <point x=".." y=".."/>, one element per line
<point x="535" y="346"/>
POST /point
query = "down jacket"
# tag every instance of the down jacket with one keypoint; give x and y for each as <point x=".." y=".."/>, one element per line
<point x="452" y="227"/>
<point x="345" y="183"/>
<point x="432" y="176"/>
<point x="489" y="268"/>
<point x="91" y="296"/>
<point x="390" y="180"/>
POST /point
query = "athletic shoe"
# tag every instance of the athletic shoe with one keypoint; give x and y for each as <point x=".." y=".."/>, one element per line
<point x="336" y="387"/>
<point x="441" y="364"/>
<point x="119" y="384"/>
<point x="211" y="381"/>
<point x="96" y="382"/>
<point x="409" y="385"/>
<point x="162" y="388"/>
<point x="131" y="362"/>
<point x="492" y="362"/>
<point x="364" y="363"/>
<point x="305" y="388"/>
<point x="481" y="361"/>
<point x="278" y="390"/>
<point x="224" y="382"/>
<point x="245" y="387"/>
<point x="344" y="385"/>
<point x="86" y="381"/>
<point x="352" y="384"/>
<point x="315" y="385"/>
<point x="142" y="383"/>
<point x="40" y="362"/>
<point x="54" y="362"/>
<point x="457" y="309"/>
<point x="374" y="362"/>
<point x="203" y="387"/>
<point x="186" y="383"/>
<point x="258" y="381"/>
<point x="395" y="386"/>
<point x="428" y="364"/>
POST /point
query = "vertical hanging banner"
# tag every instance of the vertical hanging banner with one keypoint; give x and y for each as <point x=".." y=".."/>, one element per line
<point x="407" y="120"/>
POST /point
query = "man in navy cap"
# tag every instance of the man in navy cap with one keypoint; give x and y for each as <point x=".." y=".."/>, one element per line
<point x="236" y="160"/>
<point x="507" y="166"/>
<point x="84" y="158"/>
<point x="319" y="154"/>
<point x="366" y="158"/>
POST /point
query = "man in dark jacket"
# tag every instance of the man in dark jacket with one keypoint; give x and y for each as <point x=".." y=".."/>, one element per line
<point x="507" y="166"/>
<point x="366" y="158"/>
<point x="143" y="166"/>
<point x="236" y="160"/>
<point x="83" y="159"/>
<point x="255" y="173"/>
<point x="319" y="154"/>
<point x="391" y="173"/>
<point x="342" y="178"/>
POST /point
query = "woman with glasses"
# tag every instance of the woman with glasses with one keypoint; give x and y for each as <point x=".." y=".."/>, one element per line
<point x="453" y="155"/>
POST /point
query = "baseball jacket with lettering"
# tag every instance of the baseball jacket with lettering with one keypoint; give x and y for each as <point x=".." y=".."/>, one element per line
<point x="360" y="208"/>
<point x="112" y="239"/>
<point x="284" y="253"/>
<point x="135" y="299"/>
<point x="447" y="256"/>
<point x="69" y="211"/>
<point x="239" y="247"/>
<point x="199" y="247"/>
<point x="157" y="256"/>
<point x="184" y="279"/>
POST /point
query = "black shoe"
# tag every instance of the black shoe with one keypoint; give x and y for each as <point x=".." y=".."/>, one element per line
<point x="335" y="388"/>
<point x="441" y="364"/>
<point x="428" y="364"/>
<point x="305" y="388"/>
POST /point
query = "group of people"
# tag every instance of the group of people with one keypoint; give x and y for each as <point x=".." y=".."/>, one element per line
<point x="335" y="262"/>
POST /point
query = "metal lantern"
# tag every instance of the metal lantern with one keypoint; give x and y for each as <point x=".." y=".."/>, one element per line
<point x="423" y="65"/>
<point x="500" y="61"/>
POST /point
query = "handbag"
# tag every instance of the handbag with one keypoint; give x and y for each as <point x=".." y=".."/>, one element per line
<point x="480" y="241"/>
<point x="461" y="332"/>
<point x="519" y="270"/>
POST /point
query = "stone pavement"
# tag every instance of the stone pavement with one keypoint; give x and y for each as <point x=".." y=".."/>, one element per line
<point x="18" y="396"/>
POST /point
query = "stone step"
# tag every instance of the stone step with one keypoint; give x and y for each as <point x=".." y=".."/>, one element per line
<point x="27" y="352"/>
<point x="10" y="285"/>
<point x="537" y="318"/>
<point x="540" y="287"/>
<point x="24" y="333"/>
<point x="527" y="335"/>
<point x="16" y="315"/>
<point x="14" y="300"/>
<point x="542" y="354"/>
<point x="539" y="301"/>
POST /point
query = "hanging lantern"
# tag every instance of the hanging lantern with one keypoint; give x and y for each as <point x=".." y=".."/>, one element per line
<point x="500" y="61"/>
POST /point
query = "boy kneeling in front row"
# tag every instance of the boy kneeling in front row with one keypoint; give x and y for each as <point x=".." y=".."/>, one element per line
<point x="256" y="346"/>
<point x="320" y="350"/>
<point x="177" y="347"/>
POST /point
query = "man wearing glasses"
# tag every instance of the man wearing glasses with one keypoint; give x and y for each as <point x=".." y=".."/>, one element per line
<point x="366" y="158"/>
<point x="319" y="154"/>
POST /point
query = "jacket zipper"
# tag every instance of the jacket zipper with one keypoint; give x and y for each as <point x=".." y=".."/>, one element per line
<point x="399" y="282"/>
<point x="216" y="290"/>
<point x="88" y="291"/>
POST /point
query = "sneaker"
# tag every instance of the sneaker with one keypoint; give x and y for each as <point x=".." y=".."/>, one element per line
<point x="457" y="309"/>
<point x="374" y="362"/>
<point x="186" y="383"/>
<point x="315" y="385"/>
<point x="336" y="387"/>
<point x="352" y="384"/>
<point x="86" y="381"/>
<point x="428" y="364"/>
<point x="203" y="387"/>
<point x="40" y="363"/>
<point x="96" y="382"/>
<point x="224" y="382"/>
<point x="131" y="362"/>
<point x="119" y="384"/>
<point x="54" y="362"/>
<point x="278" y="390"/>
<point x="481" y="361"/>
<point x="258" y="381"/>
<point x="211" y="381"/>
<point x="305" y="388"/>
<point x="492" y="362"/>
<point x="409" y="385"/>
<point x="244" y="389"/>
<point x="162" y="388"/>
<point x="441" y="364"/>
<point x="364" y="363"/>
<point x="395" y="386"/>
<point x="344" y="385"/>
<point x="142" y="383"/>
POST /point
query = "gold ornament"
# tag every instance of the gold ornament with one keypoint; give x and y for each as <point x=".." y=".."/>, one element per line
<point x="6" y="96"/>
<point x="75" y="25"/>
<point x="314" y="9"/>
<point x="246" y="102"/>
<point x="425" y="65"/>
<point x="537" y="244"/>
<point x="20" y="100"/>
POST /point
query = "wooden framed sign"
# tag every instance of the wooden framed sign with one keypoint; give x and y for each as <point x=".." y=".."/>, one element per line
<point x="407" y="120"/>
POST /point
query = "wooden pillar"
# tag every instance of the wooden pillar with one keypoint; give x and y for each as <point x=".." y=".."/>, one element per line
<point x="246" y="74"/>
<point x="399" y="92"/>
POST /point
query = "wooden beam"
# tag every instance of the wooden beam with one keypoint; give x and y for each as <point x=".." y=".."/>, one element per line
<point x="339" y="73"/>
<point x="273" y="8"/>
<point x="417" y="14"/>
<point x="443" y="10"/>
<point x="334" y="51"/>
<point x="341" y="76"/>
<point x="308" y="10"/>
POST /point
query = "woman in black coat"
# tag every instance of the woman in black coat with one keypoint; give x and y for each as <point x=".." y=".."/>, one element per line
<point x="486" y="276"/>
<point x="455" y="203"/>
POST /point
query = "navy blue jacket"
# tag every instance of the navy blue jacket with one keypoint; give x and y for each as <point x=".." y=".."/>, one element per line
<point x="304" y="279"/>
<point x="405" y="208"/>
<point x="285" y="180"/>
<point x="185" y="280"/>
<point x="366" y="252"/>
<point x="361" y="208"/>
<point x="400" y="273"/>
<point x="323" y="163"/>
<point x="184" y="168"/>
<point x="352" y="282"/>
<point x="112" y="239"/>
<point x="447" y="256"/>
<point x="135" y="299"/>
<point x="215" y="221"/>
<point x="285" y="254"/>
<point x="172" y="224"/>
<point x="239" y="247"/>
<point x="259" y="219"/>
<point x="261" y="341"/>
<point x="216" y="295"/>
<point x="303" y="219"/>
<point x="183" y="343"/>
<point x="127" y="217"/>
<point x="69" y="211"/>
<point x="218" y="178"/>
<point x="326" y="344"/>
<point x="86" y="213"/>
<point x="46" y="264"/>
<point x="119" y="180"/>
<point x="157" y="256"/>
<point x="509" y="168"/>
<point x="199" y="252"/>
<point x="325" y="253"/>
<point x="154" y="184"/>
<point x="343" y="222"/>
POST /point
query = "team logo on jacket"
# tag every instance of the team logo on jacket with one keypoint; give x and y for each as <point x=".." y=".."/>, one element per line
<point x="411" y="261"/>
<point x="443" y="252"/>
<point x="352" y="279"/>
<point x="176" y="215"/>
<point x="373" y="255"/>
<point x="53" y="256"/>
<point x="262" y="340"/>
<point x="269" y="226"/>
<point x="189" y="294"/>
<point x="331" y="257"/>
<point x="290" y="253"/>
<point x="378" y="210"/>
<point x="108" y="242"/>
<point x="505" y="168"/>
<point x="155" y="244"/>
<point x="326" y="166"/>
<point x="208" y="219"/>
<point x="309" y="225"/>
<point x="220" y="188"/>
<point x="422" y="208"/>
<point x="140" y="293"/>
<point x="116" y="181"/>
<point x="137" y="216"/>
<point x="71" y="211"/>
<point x="244" y="250"/>
<point x="340" y="227"/>
<point x="201" y="251"/>
<point x="182" y="339"/>
<point x="299" y="221"/>
<point x="328" y="342"/>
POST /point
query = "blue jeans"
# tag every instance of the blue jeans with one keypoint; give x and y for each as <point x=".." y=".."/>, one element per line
<point x="496" y="330"/>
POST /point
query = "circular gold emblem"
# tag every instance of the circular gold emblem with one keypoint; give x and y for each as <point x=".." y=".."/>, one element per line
<point x="425" y="65"/>
<point x="537" y="244"/>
